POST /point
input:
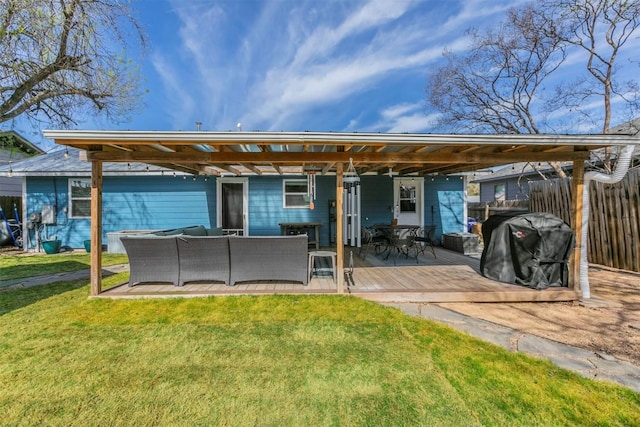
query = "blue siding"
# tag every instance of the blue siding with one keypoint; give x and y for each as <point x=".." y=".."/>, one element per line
<point x="266" y="211"/>
<point x="160" y="202"/>
<point x="129" y="203"/>
<point x="266" y="206"/>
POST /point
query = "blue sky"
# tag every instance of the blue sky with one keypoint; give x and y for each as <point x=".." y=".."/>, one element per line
<point x="295" y="65"/>
<point x="299" y="65"/>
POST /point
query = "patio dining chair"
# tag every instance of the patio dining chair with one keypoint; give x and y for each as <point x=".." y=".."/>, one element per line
<point x="402" y="242"/>
<point x="424" y="236"/>
<point x="371" y="238"/>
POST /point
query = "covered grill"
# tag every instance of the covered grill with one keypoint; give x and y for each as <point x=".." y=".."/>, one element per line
<point x="529" y="249"/>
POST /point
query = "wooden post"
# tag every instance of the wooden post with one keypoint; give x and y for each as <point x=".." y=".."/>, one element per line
<point x="96" y="227"/>
<point x="577" y="222"/>
<point x="339" y="225"/>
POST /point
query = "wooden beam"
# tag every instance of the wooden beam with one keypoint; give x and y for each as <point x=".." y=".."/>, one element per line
<point x="339" y="225"/>
<point x="96" y="228"/>
<point x="327" y="168"/>
<point x="234" y="157"/>
<point x="577" y="219"/>
<point x="253" y="169"/>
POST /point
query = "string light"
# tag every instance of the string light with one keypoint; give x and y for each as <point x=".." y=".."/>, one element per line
<point x="128" y="165"/>
<point x="66" y="153"/>
<point x="10" y="174"/>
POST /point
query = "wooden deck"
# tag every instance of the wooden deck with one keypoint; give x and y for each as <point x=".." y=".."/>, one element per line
<point x="452" y="277"/>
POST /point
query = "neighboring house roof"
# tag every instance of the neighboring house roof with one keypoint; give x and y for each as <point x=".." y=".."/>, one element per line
<point x="516" y="170"/>
<point x="68" y="162"/>
<point x="13" y="141"/>
<point x="525" y="169"/>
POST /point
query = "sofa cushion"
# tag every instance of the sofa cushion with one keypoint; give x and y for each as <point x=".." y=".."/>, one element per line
<point x="214" y="231"/>
<point x="197" y="230"/>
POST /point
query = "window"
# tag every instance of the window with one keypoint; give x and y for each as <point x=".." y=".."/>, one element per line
<point x="79" y="198"/>
<point x="499" y="192"/>
<point x="295" y="193"/>
<point x="407" y="198"/>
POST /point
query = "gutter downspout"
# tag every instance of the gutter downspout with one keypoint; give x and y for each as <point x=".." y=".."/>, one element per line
<point x="620" y="171"/>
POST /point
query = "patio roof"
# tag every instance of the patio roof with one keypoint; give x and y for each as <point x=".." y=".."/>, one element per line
<point x="265" y="153"/>
<point x="260" y="153"/>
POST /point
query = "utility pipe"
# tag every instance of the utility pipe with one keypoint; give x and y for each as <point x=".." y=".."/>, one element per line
<point x="622" y="166"/>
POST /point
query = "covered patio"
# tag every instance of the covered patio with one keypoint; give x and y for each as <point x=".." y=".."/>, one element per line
<point x="280" y="153"/>
<point x="451" y="277"/>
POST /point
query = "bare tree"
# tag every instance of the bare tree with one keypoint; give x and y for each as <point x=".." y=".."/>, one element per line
<point x="600" y="28"/>
<point x="493" y="87"/>
<point x="62" y="58"/>
<point x="502" y="83"/>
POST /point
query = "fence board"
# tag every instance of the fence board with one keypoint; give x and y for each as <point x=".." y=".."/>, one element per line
<point x="614" y="220"/>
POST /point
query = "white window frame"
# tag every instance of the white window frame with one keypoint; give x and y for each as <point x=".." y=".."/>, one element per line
<point x="285" y="193"/>
<point x="71" y="198"/>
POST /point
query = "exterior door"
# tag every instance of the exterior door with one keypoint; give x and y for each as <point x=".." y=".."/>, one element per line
<point x="232" y="205"/>
<point x="408" y="200"/>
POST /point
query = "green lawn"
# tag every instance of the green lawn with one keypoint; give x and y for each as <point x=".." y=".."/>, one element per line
<point x="270" y="360"/>
<point x="19" y="266"/>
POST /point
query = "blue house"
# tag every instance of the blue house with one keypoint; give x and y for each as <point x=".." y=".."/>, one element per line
<point x="251" y="182"/>
<point x="140" y="196"/>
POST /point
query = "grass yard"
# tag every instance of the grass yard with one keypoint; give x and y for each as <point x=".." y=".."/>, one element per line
<point x="19" y="266"/>
<point x="271" y="361"/>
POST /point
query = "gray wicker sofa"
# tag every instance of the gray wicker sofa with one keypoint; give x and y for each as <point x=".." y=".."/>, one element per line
<point x="229" y="259"/>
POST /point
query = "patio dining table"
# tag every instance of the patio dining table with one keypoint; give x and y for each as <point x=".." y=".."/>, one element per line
<point x="400" y="239"/>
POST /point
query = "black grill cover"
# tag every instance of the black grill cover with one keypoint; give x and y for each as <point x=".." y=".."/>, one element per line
<point x="529" y="249"/>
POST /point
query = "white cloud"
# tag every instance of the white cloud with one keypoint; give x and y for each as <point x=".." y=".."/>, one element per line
<point x="404" y="117"/>
<point x="278" y="63"/>
<point x="176" y="93"/>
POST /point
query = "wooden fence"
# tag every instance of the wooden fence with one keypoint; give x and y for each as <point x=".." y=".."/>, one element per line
<point x="614" y="219"/>
<point x="482" y="210"/>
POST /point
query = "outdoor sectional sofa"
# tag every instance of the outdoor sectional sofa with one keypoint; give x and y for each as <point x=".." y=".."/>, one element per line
<point x="180" y="259"/>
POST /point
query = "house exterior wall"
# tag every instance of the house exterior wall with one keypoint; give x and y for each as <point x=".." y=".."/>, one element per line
<point x="513" y="190"/>
<point x="10" y="186"/>
<point x="444" y="204"/>
<point x="129" y="203"/>
<point x="164" y="202"/>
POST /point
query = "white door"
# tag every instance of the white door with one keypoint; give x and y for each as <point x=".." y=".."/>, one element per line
<point x="408" y="200"/>
<point x="232" y="205"/>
